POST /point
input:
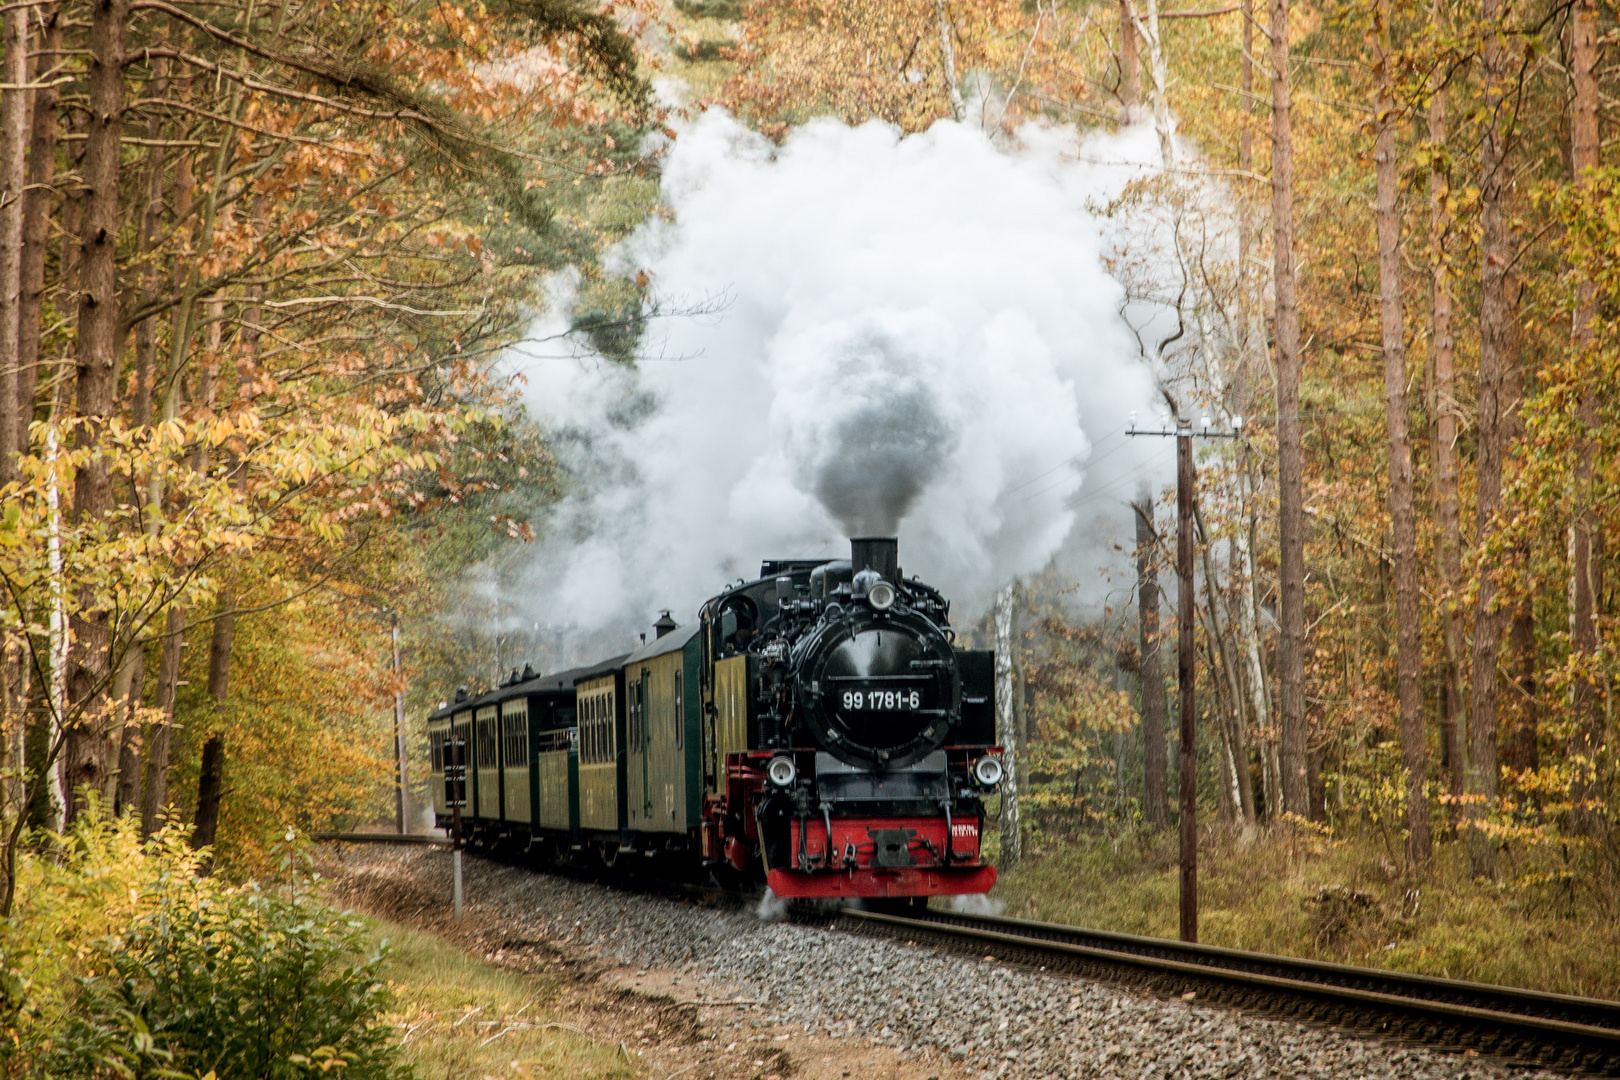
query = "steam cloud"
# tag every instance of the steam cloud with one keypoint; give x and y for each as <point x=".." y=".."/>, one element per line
<point x="920" y="337"/>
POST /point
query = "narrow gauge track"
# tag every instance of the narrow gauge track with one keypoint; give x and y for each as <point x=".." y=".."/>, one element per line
<point x="1521" y="1026"/>
<point x="1524" y="1027"/>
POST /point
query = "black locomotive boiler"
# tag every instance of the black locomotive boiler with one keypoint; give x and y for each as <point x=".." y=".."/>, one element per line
<point x="817" y="729"/>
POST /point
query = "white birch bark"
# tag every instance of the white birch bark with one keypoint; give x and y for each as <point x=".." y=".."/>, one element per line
<point x="1007" y="726"/>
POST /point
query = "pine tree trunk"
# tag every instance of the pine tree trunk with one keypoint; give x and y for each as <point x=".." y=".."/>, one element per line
<point x="13" y="178"/>
<point x="1586" y="531"/>
<point x="1290" y="448"/>
<point x="1403" y="516"/>
<point x="89" y="747"/>
<point x="1155" y="756"/>
<point x="1495" y="250"/>
<point x="1447" y="427"/>
<point x="37" y="221"/>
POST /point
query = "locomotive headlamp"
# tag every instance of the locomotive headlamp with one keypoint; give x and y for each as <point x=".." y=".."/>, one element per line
<point x="782" y="771"/>
<point x="881" y="596"/>
<point x="987" y="771"/>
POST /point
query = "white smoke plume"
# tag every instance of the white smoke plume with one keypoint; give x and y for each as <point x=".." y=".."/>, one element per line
<point x="918" y="335"/>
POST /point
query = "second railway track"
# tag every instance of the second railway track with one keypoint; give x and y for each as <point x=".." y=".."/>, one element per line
<point x="1520" y="1026"/>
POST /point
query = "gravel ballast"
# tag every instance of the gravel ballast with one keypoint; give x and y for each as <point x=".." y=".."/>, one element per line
<point x="970" y="1017"/>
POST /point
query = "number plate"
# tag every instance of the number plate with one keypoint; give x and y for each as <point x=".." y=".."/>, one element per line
<point x="888" y="695"/>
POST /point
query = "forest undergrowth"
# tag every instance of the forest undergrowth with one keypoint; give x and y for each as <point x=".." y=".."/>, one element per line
<point x="1340" y="899"/>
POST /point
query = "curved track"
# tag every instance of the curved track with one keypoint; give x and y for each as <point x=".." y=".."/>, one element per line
<point x="1522" y="1026"/>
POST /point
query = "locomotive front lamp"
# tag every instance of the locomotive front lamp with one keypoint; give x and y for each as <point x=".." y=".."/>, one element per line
<point x="987" y="771"/>
<point x="782" y="771"/>
<point x="881" y="596"/>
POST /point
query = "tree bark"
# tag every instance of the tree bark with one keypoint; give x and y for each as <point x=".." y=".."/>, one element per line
<point x="146" y="340"/>
<point x="128" y="800"/>
<point x="1495" y="251"/>
<point x="37" y="222"/>
<point x="89" y="748"/>
<point x="947" y="61"/>
<point x="210" y="781"/>
<point x="1147" y="31"/>
<point x="1586" y="531"/>
<point x="13" y="178"/>
<point x="154" y="800"/>
<point x="1447" y="426"/>
<point x="219" y="646"/>
<point x="1522" y="750"/>
<point x="1155" y="757"/>
<point x="1130" y="68"/>
<point x="1006" y="727"/>
<point x="1290" y="448"/>
<point x="1403" y="516"/>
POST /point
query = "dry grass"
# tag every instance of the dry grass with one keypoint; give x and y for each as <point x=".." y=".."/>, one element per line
<point x="464" y="1019"/>
<point x="1337" y="900"/>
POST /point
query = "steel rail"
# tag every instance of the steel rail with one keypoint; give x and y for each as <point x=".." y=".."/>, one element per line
<point x="1522" y="1026"/>
<point x="383" y="838"/>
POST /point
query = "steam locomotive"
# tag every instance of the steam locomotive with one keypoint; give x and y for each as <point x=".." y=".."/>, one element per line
<point x="815" y="730"/>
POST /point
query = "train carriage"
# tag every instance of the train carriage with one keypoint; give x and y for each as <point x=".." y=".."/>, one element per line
<point x="661" y="748"/>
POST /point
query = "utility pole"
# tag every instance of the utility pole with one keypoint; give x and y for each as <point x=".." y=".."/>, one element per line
<point x="1186" y="670"/>
<point x="1186" y="673"/>
<point x="402" y="804"/>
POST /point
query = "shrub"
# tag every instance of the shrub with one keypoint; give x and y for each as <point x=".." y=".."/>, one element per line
<point x="203" y="977"/>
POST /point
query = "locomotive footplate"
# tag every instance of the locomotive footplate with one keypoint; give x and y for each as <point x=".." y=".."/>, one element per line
<point x="882" y="856"/>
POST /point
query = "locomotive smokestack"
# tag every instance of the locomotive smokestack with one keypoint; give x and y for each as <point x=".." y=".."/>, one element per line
<point x="880" y="553"/>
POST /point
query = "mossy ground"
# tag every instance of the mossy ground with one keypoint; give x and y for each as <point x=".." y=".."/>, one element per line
<point x="1339" y="900"/>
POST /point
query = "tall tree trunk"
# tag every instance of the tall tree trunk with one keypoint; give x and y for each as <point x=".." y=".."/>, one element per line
<point x="1290" y="448"/>
<point x="13" y="178"/>
<point x="146" y="340"/>
<point x="1225" y="665"/>
<point x="210" y="783"/>
<point x="219" y="646"/>
<point x="947" y="61"/>
<point x="1147" y="31"/>
<point x="37" y="220"/>
<point x="130" y="742"/>
<point x="1586" y="532"/>
<point x="89" y="748"/>
<point x="1522" y="750"/>
<point x="1006" y="726"/>
<point x="1495" y="252"/>
<point x="1403" y="516"/>
<point x="154" y="800"/>
<point x="1155" y="757"/>
<point x="1130" y="68"/>
<point x="1448" y="551"/>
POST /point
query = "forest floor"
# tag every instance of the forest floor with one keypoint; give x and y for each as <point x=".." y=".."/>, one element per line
<point x="1544" y="924"/>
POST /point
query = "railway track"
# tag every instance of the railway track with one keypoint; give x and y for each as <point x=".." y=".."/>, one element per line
<point x="1521" y="1026"/>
